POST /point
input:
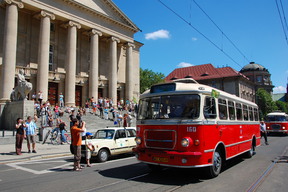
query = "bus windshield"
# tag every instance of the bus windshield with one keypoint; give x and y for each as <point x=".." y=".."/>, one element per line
<point x="170" y="107"/>
<point x="276" y="118"/>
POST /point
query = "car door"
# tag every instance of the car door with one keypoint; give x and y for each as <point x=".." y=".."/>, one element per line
<point x="131" y="134"/>
<point x="121" y="142"/>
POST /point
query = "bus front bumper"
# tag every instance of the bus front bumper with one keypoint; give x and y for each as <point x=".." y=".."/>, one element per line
<point x="170" y="158"/>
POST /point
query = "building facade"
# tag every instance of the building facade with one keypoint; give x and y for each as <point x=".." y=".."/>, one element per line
<point x="225" y="79"/>
<point x="259" y="75"/>
<point x="81" y="48"/>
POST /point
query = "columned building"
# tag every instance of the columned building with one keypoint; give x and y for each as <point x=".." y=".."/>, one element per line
<point x="81" y="48"/>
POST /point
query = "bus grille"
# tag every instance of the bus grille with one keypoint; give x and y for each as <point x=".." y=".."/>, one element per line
<point x="276" y="126"/>
<point x="160" y="139"/>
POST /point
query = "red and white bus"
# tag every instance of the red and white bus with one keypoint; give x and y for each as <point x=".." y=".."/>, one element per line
<point x="187" y="125"/>
<point x="277" y="122"/>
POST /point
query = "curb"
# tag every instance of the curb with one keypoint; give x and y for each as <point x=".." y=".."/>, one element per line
<point x="38" y="157"/>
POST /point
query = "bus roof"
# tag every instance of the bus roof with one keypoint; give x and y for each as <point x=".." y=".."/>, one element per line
<point x="277" y="113"/>
<point x="182" y="87"/>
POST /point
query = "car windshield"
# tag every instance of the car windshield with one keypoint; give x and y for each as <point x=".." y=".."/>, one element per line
<point x="276" y="118"/>
<point x="169" y="107"/>
<point x="104" y="134"/>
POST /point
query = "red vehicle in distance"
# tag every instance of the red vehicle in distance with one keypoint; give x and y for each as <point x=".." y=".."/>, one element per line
<point x="189" y="125"/>
<point x="277" y="122"/>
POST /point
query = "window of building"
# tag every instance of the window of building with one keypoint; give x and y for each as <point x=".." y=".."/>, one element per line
<point x="231" y="109"/>
<point x="239" y="111"/>
<point x="222" y="107"/>
<point x="245" y="112"/>
<point x="251" y="114"/>
<point x="259" y="79"/>
<point x="51" y="54"/>
<point x="210" y="108"/>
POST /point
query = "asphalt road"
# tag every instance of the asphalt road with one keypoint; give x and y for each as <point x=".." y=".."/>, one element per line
<point x="125" y="173"/>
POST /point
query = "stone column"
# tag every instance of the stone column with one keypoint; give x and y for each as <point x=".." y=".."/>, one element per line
<point x="43" y="53"/>
<point x="94" y="64"/>
<point x="9" y="48"/>
<point x="70" y="67"/>
<point x="129" y="71"/>
<point x="113" y="70"/>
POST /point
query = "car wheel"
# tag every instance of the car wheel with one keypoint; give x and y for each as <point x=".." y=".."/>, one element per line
<point x="103" y="155"/>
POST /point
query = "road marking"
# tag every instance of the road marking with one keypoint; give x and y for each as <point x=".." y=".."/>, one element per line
<point x="20" y="165"/>
<point x="17" y="166"/>
<point x="110" y="184"/>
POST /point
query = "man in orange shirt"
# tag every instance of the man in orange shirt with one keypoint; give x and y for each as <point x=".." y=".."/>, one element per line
<point x="76" y="142"/>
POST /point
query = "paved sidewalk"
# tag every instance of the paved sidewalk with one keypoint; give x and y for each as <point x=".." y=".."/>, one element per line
<point x="7" y="143"/>
<point x="8" y="153"/>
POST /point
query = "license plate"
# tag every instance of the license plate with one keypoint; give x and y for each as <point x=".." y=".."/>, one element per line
<point x="160" y="159"/>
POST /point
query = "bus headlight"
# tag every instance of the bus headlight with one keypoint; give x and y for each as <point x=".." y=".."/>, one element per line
<point x="138" y="140"/>
<point x="185" y="142"/>
<point x="283" y="127"/>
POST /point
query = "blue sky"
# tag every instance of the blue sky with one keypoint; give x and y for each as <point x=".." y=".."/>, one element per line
<point x="254" y="26"/>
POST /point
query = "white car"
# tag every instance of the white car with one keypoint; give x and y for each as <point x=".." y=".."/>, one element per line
<point x="111" y="141"/>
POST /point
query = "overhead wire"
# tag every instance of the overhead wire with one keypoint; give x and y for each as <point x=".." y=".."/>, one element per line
<point x="234" y="45"/>
<point x="282" y="22"/>
<point x="174" y="12"/>
<point x="284" y="17"/>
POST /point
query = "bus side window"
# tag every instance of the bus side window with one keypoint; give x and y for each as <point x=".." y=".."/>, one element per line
<point x="245" y="112"/>
<point x="222" y="108"/>
<point x="251" y="114"/>
<point x="231" y="108"/>
<point x="210" y="108"/>
<point x="256" y="117"/>
<point x="239" y="111"/>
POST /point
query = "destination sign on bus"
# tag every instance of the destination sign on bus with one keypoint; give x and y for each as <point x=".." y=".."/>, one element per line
<point x="163" y="88"/>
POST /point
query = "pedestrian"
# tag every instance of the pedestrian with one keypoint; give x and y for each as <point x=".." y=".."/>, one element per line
<point x="20" y="134"/>
<point x="30" y="130"/>
<point x="40" y="97"/>
<point x="76" y="143"/>
<point x="129" y="120"/>
<point x="56" y="111"/>
<point x="61" y="100"/>
<point x="263" y="131"/>
<point x="119" y="119"/>
<point x="89" y="148"/>
<point x="62" y="128"/>
<point x="34" y="96"/>
<point x="125" y="120"/>
<point x="43" y="116"/>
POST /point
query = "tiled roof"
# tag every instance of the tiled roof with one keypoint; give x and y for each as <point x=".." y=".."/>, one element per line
<point x="202" y="72"/>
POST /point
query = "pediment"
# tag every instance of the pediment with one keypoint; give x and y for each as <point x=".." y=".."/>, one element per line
<point x="107" y="8"/>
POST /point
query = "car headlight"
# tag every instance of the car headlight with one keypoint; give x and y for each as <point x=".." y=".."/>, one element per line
<point x="185" y="142"/>
<point x="138" y="140"/>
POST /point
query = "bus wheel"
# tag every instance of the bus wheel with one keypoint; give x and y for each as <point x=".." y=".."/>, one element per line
<point x="103" y="155"/>
<point x="214" y="170"/>
<point x="251" y="152"/>
<point x="154" y="168"/>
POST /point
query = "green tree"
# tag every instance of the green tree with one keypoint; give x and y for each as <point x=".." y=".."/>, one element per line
<point x="282" y="106"/>
<point x="265" y="102"/>
<point x="149" y="78"/>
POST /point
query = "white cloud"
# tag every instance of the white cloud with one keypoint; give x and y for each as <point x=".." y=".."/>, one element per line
<point x="160" y="34"/>
<point x="279" y="89"/>
<point x="194" y="39"/>
<point x="184" y="64"/>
